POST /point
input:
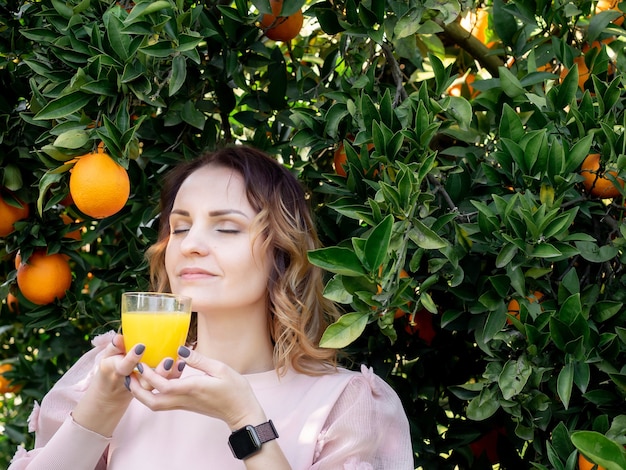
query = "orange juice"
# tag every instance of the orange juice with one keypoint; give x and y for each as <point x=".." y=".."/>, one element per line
<point x="161" y="332"/>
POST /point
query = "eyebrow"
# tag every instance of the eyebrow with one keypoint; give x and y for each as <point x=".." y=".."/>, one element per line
<point x="217" y="213"/>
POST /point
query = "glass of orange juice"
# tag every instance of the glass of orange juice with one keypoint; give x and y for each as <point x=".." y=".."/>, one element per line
<point x="159" y="321"/>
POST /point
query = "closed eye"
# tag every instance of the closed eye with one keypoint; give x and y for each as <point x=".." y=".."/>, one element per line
<point x="179" y="230"/>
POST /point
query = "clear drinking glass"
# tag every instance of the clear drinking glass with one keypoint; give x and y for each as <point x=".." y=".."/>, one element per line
<point x="157" y="320"/>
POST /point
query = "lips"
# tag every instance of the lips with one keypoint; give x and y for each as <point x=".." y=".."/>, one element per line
<point x="194" y="273"/>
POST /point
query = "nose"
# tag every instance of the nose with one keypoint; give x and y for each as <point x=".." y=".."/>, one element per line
<point x="194" y="242"/>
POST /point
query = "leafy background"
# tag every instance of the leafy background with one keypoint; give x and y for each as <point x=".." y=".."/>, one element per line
<point x="456" y="199"/>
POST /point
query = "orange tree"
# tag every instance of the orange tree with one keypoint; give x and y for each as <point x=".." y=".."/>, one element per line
<point x="474" y="196"/>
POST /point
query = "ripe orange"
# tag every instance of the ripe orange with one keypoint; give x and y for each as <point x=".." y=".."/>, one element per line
<point x="513" y="307"/>
<point x="281" y="28"/>
<point x="99" y="186"/>
<point x="340" y="159"/>
<point x="9" y="215"/>
<point x="44" y="277"/>
<point x="462" y="86"/>
<point x="75" y="234"/>
<point x="584" y="464"/>
<point x="5" y="384"/>
<point x="594" y="180"/>
<point x="403" y="274"/>
<point x="604" y="5"/>
<point x="583" y="71"/>
<point x="477" y="23"/>
<point x="12" y="303"/>
<point x="422" y="324"/>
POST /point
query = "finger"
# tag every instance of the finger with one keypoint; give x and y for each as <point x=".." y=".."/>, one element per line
<point x="207" y="365"/>
<point x="130" y="360"/>
<point x="118" y="343"/>
<point x="149" y="378"/>
<point x="164" y="369"/>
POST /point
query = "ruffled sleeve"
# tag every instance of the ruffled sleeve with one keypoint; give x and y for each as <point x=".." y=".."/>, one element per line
<point x="54" y="413"/>
<point x="367" y="429"/>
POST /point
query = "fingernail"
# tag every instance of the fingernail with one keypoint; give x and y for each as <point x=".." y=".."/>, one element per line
<point x="139" y="349"/>
<point x="181" y="366"/>
<point x="183" y="351"/>
<point x="167" y="365"/>
<point x="127" y="382"/>
<point x="140" y="368"/>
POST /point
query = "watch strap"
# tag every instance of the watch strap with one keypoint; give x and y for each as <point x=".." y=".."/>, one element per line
<point x="266" y="431"/>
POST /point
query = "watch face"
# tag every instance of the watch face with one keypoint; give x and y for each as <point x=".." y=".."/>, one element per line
<point x="244" y="442"/>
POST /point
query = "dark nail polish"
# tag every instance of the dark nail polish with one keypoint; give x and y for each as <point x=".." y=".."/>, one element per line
<point x="127" y="382"/>
<point x="181" y="366"/>
<point x="140" y="368"/>
<point x="167" y="365"/>
<point x="183" y="351"/>
<point x="139" y="349"/>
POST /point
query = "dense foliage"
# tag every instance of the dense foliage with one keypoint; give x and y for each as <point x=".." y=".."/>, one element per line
<point x="460" y="191"/>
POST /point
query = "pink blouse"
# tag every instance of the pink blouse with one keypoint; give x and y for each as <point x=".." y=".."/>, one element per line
<point x="346" y="420"/>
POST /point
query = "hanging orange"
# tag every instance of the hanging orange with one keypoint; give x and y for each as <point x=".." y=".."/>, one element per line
<point x="281" y="28"/>
<point x="99" y="186"/>
<point x="595" y="181"/>
<point x="44" y="278"/>
<point x="9" y="215"/>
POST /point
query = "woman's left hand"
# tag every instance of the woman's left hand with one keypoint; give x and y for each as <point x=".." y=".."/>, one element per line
<point x="220" y="392"/>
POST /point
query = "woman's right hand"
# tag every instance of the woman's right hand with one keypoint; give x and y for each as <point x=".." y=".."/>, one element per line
<point x="107" y="396"/>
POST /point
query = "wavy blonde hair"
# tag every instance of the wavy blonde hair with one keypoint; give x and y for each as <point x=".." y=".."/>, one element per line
<point x="298" y="312"/>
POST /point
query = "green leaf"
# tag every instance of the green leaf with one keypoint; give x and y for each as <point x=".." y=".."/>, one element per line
<point x="159" y="49"/>
<point x="511" y="126"/>
<point x="119" y="41"/>
<point x="504" y="23"/>
<point x="192" y="116"/>
<point x="72" y="139"/>
<point x="63" y="106"/>
<point x="564" y="384"/>
<point x="510" y="84"/>
<point x="597" y="254"/>
<point x="600" y="449"/>
<point x="545" y="250"/>
<point x="337" y="260"/>
<point x="344" y="331"/>
<point x="578" y="153"/>
<point x="483" y="406"/>
<point x="146" y="8"/>
<point x="460" y="110"/>
<point x="179" y="74"/>
<point x="47" y="180"/>
<point x="335" y="291"/>
<point x="425" y="237"/>
<point x="377" y="243"/>
<point x="507" y="253"/>
<point x="514" y="376"/>
<point x="568" y="88"/>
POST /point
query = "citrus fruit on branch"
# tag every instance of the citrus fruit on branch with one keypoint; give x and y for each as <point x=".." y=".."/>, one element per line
<point x="6" y="385"/>
<point x="584" y="464"/>
<point x="514" y="307"/>
<point x="596" y="181"/>
<point x="99" y="186"/>
<point x="281" y="28"/>
<point x="44" y="278"/>
<point x="9" y="214"/>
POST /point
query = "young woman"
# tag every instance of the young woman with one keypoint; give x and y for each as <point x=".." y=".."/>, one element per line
<point x="252" y="389"/>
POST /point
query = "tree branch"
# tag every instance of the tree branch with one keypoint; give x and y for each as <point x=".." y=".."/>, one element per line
<point x="473" y="46"/>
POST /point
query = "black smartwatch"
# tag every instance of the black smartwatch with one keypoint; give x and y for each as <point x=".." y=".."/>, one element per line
<point x="248" y="440"/>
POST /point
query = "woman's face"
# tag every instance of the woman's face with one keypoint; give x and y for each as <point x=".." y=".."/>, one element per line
<point x="211" y="255"/>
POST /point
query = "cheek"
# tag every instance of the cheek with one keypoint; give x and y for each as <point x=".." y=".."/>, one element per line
<point x="169" y="262"/>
